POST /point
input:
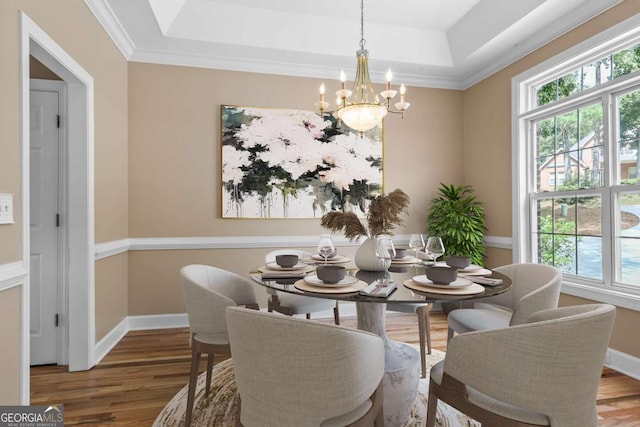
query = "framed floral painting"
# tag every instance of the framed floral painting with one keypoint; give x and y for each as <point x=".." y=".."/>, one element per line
<point x="279" y="163"/>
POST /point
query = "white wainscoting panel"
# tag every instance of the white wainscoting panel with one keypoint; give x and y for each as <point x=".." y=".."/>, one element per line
<point x="12" y="274"/>
<point x="107" y="249"/>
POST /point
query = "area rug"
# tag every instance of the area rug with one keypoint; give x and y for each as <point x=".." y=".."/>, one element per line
<point x="218" y="408"/>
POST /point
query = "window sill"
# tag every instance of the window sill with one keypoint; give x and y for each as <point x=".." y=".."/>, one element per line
<point x="619" y="299"/>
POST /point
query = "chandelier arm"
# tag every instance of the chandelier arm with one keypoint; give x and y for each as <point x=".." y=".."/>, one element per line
<point x="363" y="110"/>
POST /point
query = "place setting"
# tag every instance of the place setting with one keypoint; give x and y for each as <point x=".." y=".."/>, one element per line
<point x="434" y="249"/>
<point x="327" y="253"/>
<point x="443" y="280"/>
<point x="402" y="258"/>
<point x="447" y="277"/>
<point x="330" y="278"/>
<point x="464" y="266"/>
<point x="285" y="266"/>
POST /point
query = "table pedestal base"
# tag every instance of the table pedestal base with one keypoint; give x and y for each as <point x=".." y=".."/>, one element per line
<point x="401" y="368"/>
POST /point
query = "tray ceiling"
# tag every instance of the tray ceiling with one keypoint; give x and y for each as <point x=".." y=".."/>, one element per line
<point x="433" y="43"/>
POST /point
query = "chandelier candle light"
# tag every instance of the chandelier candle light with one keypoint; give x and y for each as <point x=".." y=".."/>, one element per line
<point x="364" y="110"/>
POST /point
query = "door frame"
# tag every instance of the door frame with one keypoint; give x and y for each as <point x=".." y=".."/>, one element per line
<point x="60" y="87"/>
<point x="80" y="198"/>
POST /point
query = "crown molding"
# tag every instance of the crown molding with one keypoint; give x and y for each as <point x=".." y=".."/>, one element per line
<point x="105" y="16"/>
<point x="255" y="65"/>
<point x="451" y="80"/>
<point x="553" y="31"/>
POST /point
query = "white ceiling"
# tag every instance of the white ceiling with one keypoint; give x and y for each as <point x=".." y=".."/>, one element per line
<point x="434" y="43"/>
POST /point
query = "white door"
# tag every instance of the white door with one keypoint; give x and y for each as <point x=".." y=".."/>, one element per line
<point x="44" y="187"/>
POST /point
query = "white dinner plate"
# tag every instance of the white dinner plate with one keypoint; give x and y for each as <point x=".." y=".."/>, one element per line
<point x="476" y="272"/>
<point x="274" y="266"/>
<point x="312" y="279"/>
<point x="405" y="260"/>
<point x="333" y="258"/>
<point x="339" y="259"/>
<point x="446" y="291"/>
<point x="471" y="267"/>
<point x="459" y="282"/>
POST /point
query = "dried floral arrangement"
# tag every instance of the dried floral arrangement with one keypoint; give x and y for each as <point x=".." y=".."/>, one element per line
<point x="383" y="215"/>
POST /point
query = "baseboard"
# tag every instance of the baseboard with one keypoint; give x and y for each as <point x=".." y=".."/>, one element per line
<point x="113" y="337"/>
<point x="158" y="321"/>
<point x="616" y="360"/>
<point x="623" y="363"/>
<point x="179" y="320"/>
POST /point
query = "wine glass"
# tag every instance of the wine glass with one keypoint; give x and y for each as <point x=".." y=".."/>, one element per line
<point x="325" y="246"/>
<point x="416" y="241"/>
<point x="434" y="248"/>
<point x="385" y="251"/>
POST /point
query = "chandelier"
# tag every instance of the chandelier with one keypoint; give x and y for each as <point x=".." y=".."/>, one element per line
<point x="363" y="110"/>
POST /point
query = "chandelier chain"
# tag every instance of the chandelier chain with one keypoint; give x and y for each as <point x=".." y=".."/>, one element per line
<point x="362" y="40"/>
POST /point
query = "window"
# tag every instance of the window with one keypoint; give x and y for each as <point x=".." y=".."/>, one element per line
<point x="577" y="146"/>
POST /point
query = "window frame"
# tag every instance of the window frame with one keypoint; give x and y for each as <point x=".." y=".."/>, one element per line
<point x="525" y="111"/>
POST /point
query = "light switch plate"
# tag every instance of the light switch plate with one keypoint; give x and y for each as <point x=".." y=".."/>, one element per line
<point x="6" y="208"/>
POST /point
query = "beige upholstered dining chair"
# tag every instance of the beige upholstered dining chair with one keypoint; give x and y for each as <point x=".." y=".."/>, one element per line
<point x="544" y="372"/>
<point x="207" y="292"/>
<point x="535" y="287"/>
<point x="291" y="304"/>
<point x="295" y="372"/>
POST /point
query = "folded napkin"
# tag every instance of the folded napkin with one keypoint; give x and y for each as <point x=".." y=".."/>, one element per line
<point x="378" y="290"/>
<point x="486" y="281"/>
<point x="283" y="274"/>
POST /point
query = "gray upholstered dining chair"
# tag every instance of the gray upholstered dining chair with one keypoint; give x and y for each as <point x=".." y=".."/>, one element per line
<point x="534" y="287"/>
<point x="291" y="304"/>
<point x="207" y="292"/>
<point x="295" y="372"/>
<point x="544" y="372"/>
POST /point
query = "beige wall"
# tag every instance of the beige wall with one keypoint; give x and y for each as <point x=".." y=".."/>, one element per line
<point x="174" y="177"/>
<point x="157" y="162"/>
<point x="38" y="71"/>
<point x="112" y="293"/>
<point x="10" y="339"/>
<point x="487" y="136"/>
<point x="72" y="26"/>
<point x="174" y="147"/>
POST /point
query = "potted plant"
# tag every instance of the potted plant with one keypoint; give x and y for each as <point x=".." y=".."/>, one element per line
<point x="458" y="218"/>
<point x="383" y="215"/>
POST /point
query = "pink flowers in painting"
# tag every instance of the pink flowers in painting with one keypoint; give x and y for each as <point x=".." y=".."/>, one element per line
<point x="279" y="163"/>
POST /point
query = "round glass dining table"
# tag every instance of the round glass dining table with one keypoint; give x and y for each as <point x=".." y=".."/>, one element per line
<point x="402" y="371"/>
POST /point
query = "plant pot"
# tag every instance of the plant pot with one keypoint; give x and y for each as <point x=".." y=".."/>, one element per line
<point x="366" y="258"/>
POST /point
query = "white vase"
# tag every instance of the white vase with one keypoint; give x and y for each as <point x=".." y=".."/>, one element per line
<point x="366" y="258"/>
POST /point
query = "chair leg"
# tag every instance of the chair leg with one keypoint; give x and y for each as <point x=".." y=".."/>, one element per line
<point x="379" y="421"/>
<point x="427" y="322"/>
<point x="422" y="331"/>
<point x="209" y="370"/>
<point x="336" y="314"/>
<point x="432" y="405"/>
<point x="238" y="411"/>
<point x="449" y="334"/>
<point x="193" y="378"/>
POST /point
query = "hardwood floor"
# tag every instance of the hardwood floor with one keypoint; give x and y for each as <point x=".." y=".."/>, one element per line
<point x="142" y="373"/>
